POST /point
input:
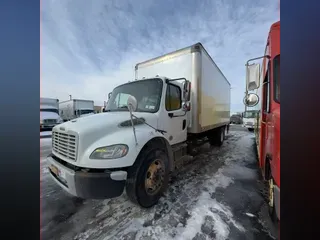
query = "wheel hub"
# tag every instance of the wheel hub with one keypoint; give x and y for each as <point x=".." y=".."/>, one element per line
<point x="154" y="177"/>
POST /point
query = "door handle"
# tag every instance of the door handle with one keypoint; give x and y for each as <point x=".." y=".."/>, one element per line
<point x="170" y="115"/>
<point x="184" y="123"/>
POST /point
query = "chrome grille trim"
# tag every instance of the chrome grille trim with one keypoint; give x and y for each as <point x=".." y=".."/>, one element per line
<point x="65" y="144"/>
<point x="48" y="121"/>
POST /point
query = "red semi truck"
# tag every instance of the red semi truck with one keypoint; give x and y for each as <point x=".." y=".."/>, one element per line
<point x="267" y="129"/>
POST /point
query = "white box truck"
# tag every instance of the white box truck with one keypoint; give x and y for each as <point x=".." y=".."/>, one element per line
<point x="75" y="108"/>
<point x="149" y="125"/>
<point x="249" y="119"/>
<point x="49" y="113"/>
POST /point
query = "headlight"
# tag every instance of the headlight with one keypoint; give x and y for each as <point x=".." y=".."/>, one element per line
<point x="110" y="152"/>
<point x="59" y="120"/>
<point x="41" y="121"/>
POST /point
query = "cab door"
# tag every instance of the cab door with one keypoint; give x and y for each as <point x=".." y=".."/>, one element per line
<point x="275" y="162"/>
<point x="265" y="120"/>
<point x="174" y="116"/>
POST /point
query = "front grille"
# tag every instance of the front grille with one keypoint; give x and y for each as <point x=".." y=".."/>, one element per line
<point x="65" y="144"/>
<point x="49" y="121"/>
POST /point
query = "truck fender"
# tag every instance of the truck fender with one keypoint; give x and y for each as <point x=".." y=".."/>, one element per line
<point x="162" y="141"/>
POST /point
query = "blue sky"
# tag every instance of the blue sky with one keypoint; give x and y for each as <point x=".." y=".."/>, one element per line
<point x="89" y="47"/>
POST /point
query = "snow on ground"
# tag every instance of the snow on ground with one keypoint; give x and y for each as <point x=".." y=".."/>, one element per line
<point x="214" y="196"/>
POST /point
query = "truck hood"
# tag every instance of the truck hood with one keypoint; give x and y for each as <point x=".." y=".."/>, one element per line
<point x="87" y="114"/>
<point x="96" y="126"/>
<point x="48" y="115"/>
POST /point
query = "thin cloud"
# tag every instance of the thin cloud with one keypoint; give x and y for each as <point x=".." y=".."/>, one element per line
<point x="89" y="47"/>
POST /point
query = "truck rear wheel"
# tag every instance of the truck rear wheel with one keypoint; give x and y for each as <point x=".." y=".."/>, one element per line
<point x="222" y="135"/>
<point x="218" y="136"/>
<point x="148" y="178"/>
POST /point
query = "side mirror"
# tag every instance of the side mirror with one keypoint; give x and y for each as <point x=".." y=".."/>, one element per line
<point x="186" y="107"/>
<point x="132" y="103"/>
<point x="109" y="95"/>
<point x="253" y="77"/>
<point x="187" y="90"/>
<point x="251" y="100"/>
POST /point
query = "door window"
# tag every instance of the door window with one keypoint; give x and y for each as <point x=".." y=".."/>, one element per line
<point x="276" y="78"/>
<point x="266" y="91"/>
<point x="173" y="98"/>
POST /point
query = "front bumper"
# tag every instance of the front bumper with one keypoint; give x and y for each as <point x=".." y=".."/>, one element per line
<point x="47" y="126"/>
<point x="248" y="125"/>
<point x="87" y="185"/>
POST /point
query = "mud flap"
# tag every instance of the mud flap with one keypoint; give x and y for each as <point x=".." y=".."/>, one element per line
<point x="277" y="201"/>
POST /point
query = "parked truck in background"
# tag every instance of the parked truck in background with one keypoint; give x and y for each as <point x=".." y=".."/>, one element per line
<point x="75" y="108"/>
<point x="49" y="113"/>
<point x="236" y="119"/>
<point x="149" y="126"/>
<point x="249" y="119"/>
<point x="268" y="119"/>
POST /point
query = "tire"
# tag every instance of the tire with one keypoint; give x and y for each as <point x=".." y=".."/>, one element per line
<point x="271" y="202"/>
<point x="218" y="137"/>
<point x="221" y="136"/>
<point x="136" y="185"/>
<point x="250" y="129"/>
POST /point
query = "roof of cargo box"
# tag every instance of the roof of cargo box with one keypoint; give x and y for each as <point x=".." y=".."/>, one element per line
<point x="73" y="99"/>
<point x="194" y="48"/>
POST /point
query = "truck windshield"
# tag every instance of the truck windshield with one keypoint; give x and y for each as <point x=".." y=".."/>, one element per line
<point x="249" y="114"/>
<point x="49" y="110"/>
<point x="147" y="92"/>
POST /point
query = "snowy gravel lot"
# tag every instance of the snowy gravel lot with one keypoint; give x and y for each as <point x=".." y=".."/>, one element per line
<point x="217" y="195"/>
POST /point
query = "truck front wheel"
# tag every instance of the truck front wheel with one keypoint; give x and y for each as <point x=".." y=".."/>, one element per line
<point x="148" y="177"/>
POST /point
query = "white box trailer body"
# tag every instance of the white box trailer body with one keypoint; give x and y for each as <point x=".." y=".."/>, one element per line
<point x="210" y="90"/>
<point x="49" y="113"/>
<point x="75" y="108"/>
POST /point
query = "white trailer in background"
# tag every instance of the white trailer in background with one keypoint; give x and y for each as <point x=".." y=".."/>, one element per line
<point x="49" y="113"/>
<point x="75" y="108"/>
<point x="149" y="125"/>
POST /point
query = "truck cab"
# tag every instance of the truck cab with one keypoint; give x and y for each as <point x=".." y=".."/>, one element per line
<point x="142" y="120"/>
<point x="268" y="120"/>
<point x="49" y="114"/>
<point x="249" y="119"/>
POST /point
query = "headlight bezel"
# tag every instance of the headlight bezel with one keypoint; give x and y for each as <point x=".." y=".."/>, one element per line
<point x="120" y="151"/>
